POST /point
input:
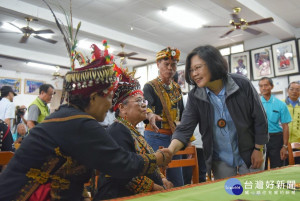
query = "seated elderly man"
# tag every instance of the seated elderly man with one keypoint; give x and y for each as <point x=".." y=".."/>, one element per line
<point x="20" y="134"/>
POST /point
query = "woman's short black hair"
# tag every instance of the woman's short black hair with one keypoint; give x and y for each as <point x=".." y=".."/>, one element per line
<point x="215" y="62"/>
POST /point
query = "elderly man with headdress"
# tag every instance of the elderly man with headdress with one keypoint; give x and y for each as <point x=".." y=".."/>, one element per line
<point x="165" y="107"/>
<point x="59" y="154"/>
<point x="130" y="108"/>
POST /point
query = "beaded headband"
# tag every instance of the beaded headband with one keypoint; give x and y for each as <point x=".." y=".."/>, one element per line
<point x="127" y="86"/>
<point x="171" y="53"/>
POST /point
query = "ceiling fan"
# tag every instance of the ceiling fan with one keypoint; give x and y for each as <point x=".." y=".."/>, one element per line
<point x="28" y="31"/>
<point x="123" y="55"/>
<point x="239" y="23"/>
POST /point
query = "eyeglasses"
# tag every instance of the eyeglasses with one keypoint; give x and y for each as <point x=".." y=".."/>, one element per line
<point x="294" y="89"/>
<point x="140" y="102"/>
<point x="197" y="68"/>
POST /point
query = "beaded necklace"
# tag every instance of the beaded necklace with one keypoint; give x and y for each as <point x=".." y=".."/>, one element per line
<point x="143" y="146"/>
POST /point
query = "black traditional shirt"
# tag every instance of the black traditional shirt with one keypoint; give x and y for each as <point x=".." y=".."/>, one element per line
<point x="62" y="151"/>
<point x="172" y="96"/>
<point x="132" y="141"/>
<point x="6" y="139"/>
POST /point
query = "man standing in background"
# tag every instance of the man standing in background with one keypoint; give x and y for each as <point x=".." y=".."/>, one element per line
<point x="277" y="112"/>
<point x="165" y="107"/>
<point x="293" y="104"/>
<point x="38" y="109"/>
<point x="7" y="108"/>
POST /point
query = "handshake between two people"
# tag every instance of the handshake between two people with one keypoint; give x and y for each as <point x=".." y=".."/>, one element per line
<point x="163" y="157"/>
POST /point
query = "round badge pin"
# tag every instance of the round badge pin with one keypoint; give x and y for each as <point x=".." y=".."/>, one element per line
<point x="221" y="123"/>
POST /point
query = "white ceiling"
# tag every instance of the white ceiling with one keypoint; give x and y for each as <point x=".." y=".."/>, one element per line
<point x="113" y="19"/>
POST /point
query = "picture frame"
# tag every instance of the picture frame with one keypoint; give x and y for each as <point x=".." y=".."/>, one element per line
<point x="262" y="63"/>
<point x="14" y="83"/>
<point x="32" y="86"/>
<point x="240" y="64"/>
<point x="285" y="58"/>
<point x="181" y="79"/>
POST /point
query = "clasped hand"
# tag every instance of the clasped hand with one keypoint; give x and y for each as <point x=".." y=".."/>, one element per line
<point x="163" y="157"/>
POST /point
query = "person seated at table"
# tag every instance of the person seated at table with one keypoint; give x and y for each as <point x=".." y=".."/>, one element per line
<point x="130" y="108"/>
<point x="60" y="153"/>
<point x="19" y="135"/>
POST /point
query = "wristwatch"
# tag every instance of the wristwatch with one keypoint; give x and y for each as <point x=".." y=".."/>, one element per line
<point x="259" y="149"/>
<point x="285" y="146"/>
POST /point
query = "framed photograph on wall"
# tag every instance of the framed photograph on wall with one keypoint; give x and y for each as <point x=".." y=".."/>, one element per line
<point x="262" y="63"/>
<point x="181" y="79"/>
<point x="32" y="86"/>
<point x="14" y="83"/>
<point x="240" y="64"/>
<point x="285" y="58"/>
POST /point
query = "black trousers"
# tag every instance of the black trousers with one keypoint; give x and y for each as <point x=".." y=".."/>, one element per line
<point x="188" y="171"/>
<point x="273" y="150"/>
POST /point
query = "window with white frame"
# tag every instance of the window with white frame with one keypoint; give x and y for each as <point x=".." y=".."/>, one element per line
<point x="232" y="49"/>
<point x="225" y="51"/>
<point x="237" y="48"/>
<point x="142" y="75"/>
<point x="152" y="71"/>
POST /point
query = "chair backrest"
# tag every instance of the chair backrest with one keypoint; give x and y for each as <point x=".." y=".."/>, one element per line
<point x="5" y="157"/>
<point x="193" y="161"/>
<point x="294" y="151"/>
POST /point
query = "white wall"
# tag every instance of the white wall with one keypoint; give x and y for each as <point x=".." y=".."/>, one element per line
<point x="260" y="42"/>
<point x="25" y="99"/>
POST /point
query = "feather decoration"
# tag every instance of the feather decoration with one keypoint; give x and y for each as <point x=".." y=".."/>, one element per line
<point x="70" y="38"/>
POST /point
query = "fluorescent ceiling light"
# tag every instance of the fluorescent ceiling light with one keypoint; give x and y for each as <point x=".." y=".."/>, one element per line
<point x="182" y="17"/>
<point x="43" y="66"/>
<point x="10" y="27"/>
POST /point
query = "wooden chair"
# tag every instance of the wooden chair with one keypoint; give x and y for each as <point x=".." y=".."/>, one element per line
<point x="294" y="151"/>
<point x="191" y="150"/>
<point x="5" y="157"/>
<point x="92" y="185"/>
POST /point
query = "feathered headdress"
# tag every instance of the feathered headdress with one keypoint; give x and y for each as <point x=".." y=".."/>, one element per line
<point x="98" y="76"/>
